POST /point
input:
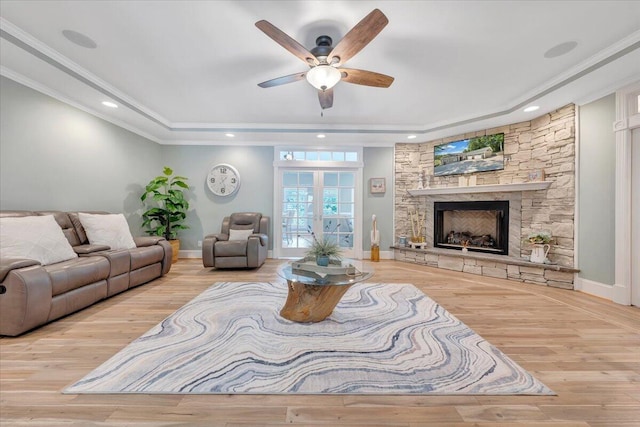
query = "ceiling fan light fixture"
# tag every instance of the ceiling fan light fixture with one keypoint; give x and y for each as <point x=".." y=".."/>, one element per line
<point x="323" y="77"/>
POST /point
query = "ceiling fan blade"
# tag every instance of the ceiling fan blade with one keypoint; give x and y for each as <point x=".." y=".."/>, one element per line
<point x="326" y="98"/>
<point x="283" y="80"/>
<point x="366" y="78"/>
<point x="359" y="36"/>
<point x="287" y="42"/>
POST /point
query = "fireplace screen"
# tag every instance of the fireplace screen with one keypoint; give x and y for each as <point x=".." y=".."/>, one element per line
<point x="478" y="226"/>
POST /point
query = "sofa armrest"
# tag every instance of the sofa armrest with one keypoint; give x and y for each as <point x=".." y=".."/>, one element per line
<point x="217" y="236"/>
<point x="208" y="247"/>
<point x="89" y="249"/>
<point x="147" y="240"/>
<point x="25" y="301"/>
<point x="8" y="264"/>
<point x="264" y="239"/>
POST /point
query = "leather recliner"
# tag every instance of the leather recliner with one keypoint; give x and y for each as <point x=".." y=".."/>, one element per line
<point x="220" y="252"/>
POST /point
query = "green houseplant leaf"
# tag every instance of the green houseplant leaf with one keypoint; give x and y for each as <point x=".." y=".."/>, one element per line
<point x="167" y="206"/>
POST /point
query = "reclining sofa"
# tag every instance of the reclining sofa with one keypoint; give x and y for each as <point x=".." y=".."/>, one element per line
<point x="32" y="294"/>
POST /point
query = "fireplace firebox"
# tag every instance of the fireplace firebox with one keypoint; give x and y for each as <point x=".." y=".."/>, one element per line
<point x="481" y="226"/>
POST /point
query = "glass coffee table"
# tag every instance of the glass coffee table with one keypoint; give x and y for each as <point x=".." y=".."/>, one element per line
<point x="314" y="294"/>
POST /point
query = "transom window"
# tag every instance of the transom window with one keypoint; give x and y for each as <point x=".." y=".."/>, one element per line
<point x="319" y="155"/>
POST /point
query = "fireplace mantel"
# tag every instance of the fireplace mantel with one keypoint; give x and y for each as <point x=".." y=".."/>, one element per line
<point x="492" y="188"/>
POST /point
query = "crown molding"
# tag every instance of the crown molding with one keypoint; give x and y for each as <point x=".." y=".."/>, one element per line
<point x="25" y="81"/>
<point x="30" y="44"/>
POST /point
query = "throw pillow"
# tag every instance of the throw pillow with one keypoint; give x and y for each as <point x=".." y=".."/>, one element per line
<point x="34" y="237"/>
<point x="110" y="229"/>
<point x="239" y="234"/>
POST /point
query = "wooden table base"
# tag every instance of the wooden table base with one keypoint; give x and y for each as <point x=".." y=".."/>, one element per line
<point x="311" y="303"/>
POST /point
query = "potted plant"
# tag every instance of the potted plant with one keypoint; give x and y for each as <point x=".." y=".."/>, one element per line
<point x="323" y="249"/>
<point x="541" y="244"/>
<point x="168" y="207"/>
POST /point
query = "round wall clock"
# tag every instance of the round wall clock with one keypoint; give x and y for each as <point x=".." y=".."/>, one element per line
<point x="223" y="180"/>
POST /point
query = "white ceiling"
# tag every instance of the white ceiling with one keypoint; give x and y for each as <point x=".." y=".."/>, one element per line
<point x="186" y="72"/>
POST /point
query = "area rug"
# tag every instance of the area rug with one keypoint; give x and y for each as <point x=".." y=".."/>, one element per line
<point x="380" y="339"/>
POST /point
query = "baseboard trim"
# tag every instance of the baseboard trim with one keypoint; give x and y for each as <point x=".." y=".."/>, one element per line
<point x="190" y="254"/>
<point x="198" y="254"/>
<point x="592" y="287"/>
<point x="366" y="255"/>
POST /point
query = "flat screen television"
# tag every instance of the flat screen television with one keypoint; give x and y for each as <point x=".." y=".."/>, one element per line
<point x="477" y="154"/>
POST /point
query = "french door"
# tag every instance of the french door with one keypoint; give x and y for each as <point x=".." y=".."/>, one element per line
<point x="317" y="204"/>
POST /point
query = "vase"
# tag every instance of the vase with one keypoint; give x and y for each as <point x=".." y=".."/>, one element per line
<point x="322" y="260"/>
<point x="375" y="253"/>
<point x="539" y="253"/>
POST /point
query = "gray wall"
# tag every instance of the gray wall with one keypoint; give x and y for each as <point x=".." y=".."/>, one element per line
<point x="378" y="163"/>
<point x="255" y="165"/>
<point x="596" y="190"/>
<point x="54" y="156"/>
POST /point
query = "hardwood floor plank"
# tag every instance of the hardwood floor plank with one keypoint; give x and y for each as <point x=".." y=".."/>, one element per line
<point x="585" y="348"/>
<point x="372" y="415"/>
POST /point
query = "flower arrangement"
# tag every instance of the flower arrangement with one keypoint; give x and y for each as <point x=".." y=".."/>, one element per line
<point x="539" y="237"/>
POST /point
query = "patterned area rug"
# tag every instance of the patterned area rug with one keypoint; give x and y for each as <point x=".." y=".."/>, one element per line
<point x="380" y="339"/>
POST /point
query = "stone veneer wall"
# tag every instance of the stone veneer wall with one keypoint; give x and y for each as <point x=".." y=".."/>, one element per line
<point x="547" y="142"/>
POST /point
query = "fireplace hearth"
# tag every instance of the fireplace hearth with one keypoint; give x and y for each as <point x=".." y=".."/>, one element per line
<point x="479" y="226"/>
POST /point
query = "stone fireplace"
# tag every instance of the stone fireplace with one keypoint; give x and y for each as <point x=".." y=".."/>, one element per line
<point x="543" y="147"/>
<point x="478" y="226"/>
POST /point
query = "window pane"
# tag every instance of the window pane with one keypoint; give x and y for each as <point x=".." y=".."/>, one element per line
<point x="306" y="179"/>
<point x="325" y="155"/>
<point x="346" y="195"/>
<point x="346" y="209"/>
<point x="290" y="179"/>
<point x="346" y="225"/>
<point x="312" y="155"/>
<point x="347" y="179"/>
<point x="346" y="240"/>
<point x="330" y="225"/>
<point x="338" y="156"/>
<point x="351" y="156"/>
<point x="290" y="195"/>
<point x="330" y="201"/>
<point x="330" y="179"/>
<point x="298" y="155"/>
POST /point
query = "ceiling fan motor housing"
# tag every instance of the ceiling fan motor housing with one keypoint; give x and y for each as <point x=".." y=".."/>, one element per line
<point x="323" y="48"/>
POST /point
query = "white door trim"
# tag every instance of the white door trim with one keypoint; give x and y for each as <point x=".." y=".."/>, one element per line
<point x="627" y="118"/>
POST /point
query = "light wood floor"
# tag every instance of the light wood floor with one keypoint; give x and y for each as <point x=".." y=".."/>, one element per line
<point x="586" y="349"/>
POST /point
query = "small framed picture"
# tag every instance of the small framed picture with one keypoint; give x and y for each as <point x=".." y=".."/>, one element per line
<point x="536" y="175"/>
<point x="377" y="185"/>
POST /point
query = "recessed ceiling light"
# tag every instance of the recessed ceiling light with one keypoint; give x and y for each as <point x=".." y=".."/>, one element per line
<point x="109" y="104"/>
<point x="230" y="135"/>
<point x="531" y="108"/>
<point x="411" y="137"/>
<point x="321" y="136"/>
<point x="561" y="49"/>
<point x="79" y="39"/>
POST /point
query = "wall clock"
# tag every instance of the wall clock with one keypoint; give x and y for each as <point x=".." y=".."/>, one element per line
<point x="223" y="180"/>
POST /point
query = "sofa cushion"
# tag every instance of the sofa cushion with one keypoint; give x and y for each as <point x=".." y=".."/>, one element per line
<point x="111" y="230"/>
<point x="141" y="257"/>
<point x="34" y="237"/>
<point x="73" y="274"/>
<point x="231" y="248"/>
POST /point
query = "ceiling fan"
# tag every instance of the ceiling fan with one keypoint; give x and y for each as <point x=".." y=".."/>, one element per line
<point x="325" y="61"/>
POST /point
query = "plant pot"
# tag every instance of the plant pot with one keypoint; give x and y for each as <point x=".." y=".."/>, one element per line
<point x="175" y="246"/>
<point x="322" y="260"/>
<point x="539" y="253"/>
